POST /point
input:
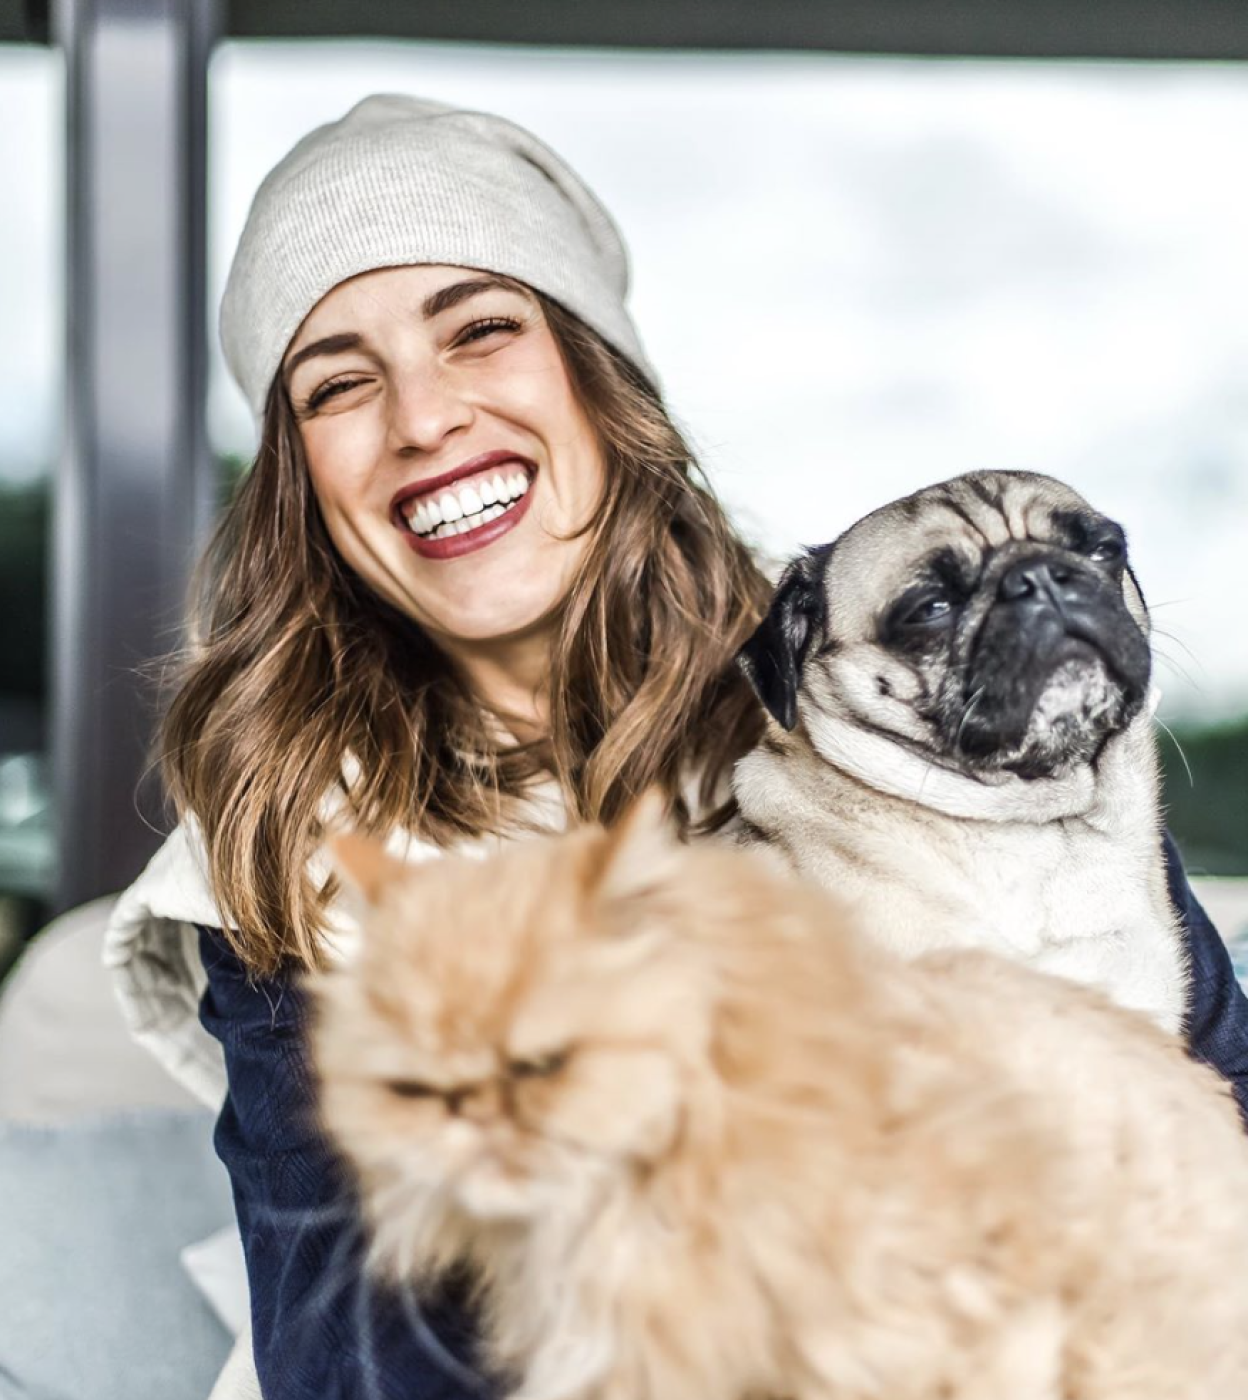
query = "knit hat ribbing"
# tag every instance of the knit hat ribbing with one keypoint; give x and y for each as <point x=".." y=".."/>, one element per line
<point x="400" y="181"/>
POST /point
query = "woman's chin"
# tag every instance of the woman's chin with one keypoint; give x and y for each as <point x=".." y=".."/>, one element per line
<point x="502" y="621"/>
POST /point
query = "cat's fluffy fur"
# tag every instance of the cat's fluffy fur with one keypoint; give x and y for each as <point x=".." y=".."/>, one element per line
<point x="701" y="1142"/>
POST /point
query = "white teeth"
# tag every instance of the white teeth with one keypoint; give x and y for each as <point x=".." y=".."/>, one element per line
<point x="475" y="505"/>
<point x="458" y="527"/>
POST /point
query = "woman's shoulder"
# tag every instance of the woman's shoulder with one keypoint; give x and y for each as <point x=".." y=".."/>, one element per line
<point x="175" y="884"/>
<point x="151" y="948"/>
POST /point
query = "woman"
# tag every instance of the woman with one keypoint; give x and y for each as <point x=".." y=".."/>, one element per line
<point x="470" y="587"/>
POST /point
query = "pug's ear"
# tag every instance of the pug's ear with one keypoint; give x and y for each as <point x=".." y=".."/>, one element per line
<point x="364" y="864"/>
<point x="772" y="658"/>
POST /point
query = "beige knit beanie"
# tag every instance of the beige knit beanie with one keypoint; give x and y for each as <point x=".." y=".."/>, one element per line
<point x="400" y="180"/>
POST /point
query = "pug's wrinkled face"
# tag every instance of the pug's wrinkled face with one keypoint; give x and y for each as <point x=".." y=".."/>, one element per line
<point x="990" y="622"/>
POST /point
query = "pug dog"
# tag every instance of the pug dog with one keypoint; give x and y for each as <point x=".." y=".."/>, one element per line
<point x="960" y="738"/>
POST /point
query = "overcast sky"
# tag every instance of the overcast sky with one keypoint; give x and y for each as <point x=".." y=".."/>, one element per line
<point x="855" y="276"/>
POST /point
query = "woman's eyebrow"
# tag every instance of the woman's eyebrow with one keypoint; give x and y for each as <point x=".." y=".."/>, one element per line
<point x="433" y="305"/>
<point x="446" y="297"/>
<point x="330" y="345"/>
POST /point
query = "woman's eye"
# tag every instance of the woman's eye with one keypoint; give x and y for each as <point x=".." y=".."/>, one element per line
<point x="1107" y="552"/>
<point x="480" y="330"/>
<point x="538" y="1066"/>
<point x="328" y="391"/>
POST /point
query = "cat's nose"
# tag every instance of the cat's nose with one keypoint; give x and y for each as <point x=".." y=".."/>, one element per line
<point x="480" y="1104"/>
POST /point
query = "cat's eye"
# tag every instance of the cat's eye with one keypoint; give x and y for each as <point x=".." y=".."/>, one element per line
<point x="538" y="1066"/>
<point x="411" y="1089"/>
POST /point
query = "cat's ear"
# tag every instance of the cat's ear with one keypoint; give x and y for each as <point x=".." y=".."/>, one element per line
<point x="365" y="865"/>
<point x="637" y="850"/>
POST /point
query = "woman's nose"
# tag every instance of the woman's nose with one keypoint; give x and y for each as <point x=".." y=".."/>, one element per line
<point x="427" y="406"/>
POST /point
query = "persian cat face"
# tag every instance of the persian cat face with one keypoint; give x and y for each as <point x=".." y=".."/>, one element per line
<point x="514" y="1035"/>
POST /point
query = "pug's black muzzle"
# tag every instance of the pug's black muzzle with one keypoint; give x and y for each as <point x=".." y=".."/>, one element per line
<point x="1054" y="615"/>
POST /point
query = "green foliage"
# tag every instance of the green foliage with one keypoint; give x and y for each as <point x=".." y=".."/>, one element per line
<point x="24" y="544"/>
<point x="231" y="469"/>
<point x="1208" y="814"/>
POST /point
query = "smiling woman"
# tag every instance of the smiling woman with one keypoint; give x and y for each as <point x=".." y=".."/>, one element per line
<point x="473" y="585"/>
<point x="552" y="641"/>
<point x="456" y="470"/>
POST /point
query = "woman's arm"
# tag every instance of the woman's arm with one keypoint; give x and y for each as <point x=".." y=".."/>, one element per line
<point x="1218" y="1017"/>
<point x="322" y="1329"/>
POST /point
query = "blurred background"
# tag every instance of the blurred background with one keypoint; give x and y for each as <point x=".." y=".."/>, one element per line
<point x="873" y="245"/>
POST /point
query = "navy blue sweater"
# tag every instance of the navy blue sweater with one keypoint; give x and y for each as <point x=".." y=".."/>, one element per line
<point x="321" y="1329"/>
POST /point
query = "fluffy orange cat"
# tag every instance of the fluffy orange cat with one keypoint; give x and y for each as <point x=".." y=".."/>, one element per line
<point x="701" y="1142"/>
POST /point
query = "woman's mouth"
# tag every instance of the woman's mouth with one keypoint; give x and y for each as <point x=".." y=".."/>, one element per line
<point x="468" y="512"/>
<point x="467" y="506"/>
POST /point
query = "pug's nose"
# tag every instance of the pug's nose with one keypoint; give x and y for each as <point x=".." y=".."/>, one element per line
<point x="1035" y="579"/>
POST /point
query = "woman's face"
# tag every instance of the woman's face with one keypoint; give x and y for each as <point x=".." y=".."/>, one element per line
<point x="448" y="452"/>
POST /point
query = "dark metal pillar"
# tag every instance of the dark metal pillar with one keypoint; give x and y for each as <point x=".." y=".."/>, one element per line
<point x="134" y="486"/>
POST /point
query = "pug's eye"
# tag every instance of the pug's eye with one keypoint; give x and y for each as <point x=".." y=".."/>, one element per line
<point x="929" y="611"/>
<point x="1107" y="551"/>
<point x="923" y="618"/>
<point x="539" y="1066"/>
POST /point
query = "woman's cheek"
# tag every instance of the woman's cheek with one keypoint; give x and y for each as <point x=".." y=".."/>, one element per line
<point x="342" y="452"/>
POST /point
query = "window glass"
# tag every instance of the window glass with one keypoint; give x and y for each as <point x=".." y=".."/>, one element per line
<point x="31" y="295"/>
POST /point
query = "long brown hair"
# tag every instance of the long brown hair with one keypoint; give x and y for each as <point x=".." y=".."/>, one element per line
<point x="300" y="680"/>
